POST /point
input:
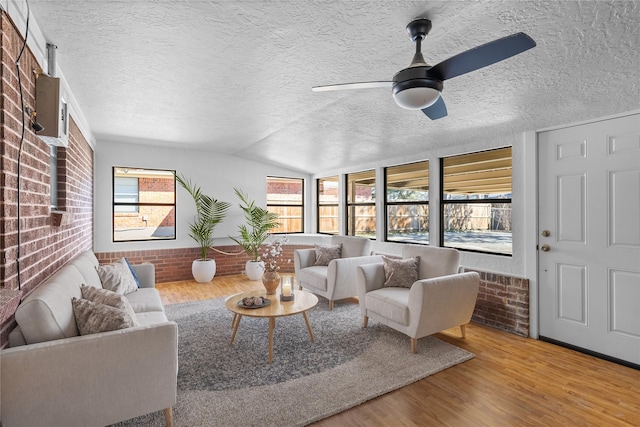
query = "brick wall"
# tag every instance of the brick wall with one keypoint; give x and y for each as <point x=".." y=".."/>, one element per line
<point x="155" y="190"/>
<point x="278" y="189"/>
<point x="175" y="264"/>
<point x="45" y="248"/>
<point x="503" y="302"/>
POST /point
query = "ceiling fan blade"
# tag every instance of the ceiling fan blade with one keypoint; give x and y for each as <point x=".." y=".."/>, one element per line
<point x="481" y="56"/>
<point x="437" y="110"/>
<point x="360" y="85"/>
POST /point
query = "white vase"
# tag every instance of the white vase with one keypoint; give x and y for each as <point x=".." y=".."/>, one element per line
<point x="203" y="270"/>
<point x="254" y="269"/>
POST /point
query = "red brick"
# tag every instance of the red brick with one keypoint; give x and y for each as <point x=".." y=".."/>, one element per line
<point x="44" y="248"/>
<point x="503" y="302"/>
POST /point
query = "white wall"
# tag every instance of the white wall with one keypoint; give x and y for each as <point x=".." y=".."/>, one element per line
<point x="216" y="174"/>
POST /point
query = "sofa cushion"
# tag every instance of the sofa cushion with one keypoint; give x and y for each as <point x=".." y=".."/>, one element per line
<point x="93" y="317"/>
<point x="47" y="314"/>
<point x="117" y="277"/>
<point x="400" y="272"/>
<point x="107" y="297"/>
<point x="144" y="300"/>
<point x="434" y="261"/>
<point x="86" y="263"/>
<point x="326" y="253"/>
<point x="390" y="303"/>
<point x="352" y="246"/>
<point x="151" y="318"/>
<point x="315" y="276"/>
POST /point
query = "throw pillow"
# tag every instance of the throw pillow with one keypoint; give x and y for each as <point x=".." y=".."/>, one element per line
<point x="110" y="298"/>
<point x="133" y="272"/>
<point x="93" y="317"/>
<point x="117" y="277"/>
<point x="400" y="273"/>
<point x="325" y="253"/>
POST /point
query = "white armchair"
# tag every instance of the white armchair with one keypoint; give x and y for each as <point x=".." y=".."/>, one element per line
<point x="440" y="299"/>
<point x="338" y="279"/>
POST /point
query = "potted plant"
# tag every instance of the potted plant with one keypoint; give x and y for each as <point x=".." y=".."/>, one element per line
<point x="259" y="222"/>
<point x="209" y="213"/>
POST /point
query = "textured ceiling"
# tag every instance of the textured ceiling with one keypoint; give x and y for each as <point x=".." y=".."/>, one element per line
<point x="235" y="76"/>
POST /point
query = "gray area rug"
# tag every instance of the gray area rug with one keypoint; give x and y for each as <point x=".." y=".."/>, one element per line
<point x="222" y="385"/>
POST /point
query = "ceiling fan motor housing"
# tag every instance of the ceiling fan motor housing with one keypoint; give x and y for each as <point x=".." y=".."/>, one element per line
<point x="414" y="90"/>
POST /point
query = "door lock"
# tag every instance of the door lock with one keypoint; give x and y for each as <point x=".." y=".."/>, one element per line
<point x="546" y="233"/>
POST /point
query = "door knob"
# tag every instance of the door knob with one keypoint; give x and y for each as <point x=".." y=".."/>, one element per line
<point x="545" y="248"/>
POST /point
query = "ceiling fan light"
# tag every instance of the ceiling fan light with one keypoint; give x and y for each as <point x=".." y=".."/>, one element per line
<point x="416" y="98"/>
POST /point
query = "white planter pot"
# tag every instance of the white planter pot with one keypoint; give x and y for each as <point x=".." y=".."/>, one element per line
<point x="203" y="270"/>
<point x="254" y="269"/>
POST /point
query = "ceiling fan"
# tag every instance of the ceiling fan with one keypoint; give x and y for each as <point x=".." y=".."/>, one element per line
<point x="419" y="86"/>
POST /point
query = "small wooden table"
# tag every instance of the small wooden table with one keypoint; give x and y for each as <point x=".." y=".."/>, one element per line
<point x="303" y="301"/>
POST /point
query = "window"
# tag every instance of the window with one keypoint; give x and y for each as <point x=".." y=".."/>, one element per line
<point x="126" y="192"/>
<point x="328" y="205"/>
<point x="285" y="196"/>
<point x="361" y="206"/>
<point x="476" y="201"/>
<point x="407" y="203"/>
<point x="144" y="204"/>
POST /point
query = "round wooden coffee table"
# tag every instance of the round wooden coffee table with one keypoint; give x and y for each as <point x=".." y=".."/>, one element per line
<point x="302" y="302"/>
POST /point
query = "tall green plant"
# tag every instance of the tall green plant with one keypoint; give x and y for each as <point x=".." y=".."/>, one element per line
<point x="209" y="213"/>
<point x="259" y="222"/>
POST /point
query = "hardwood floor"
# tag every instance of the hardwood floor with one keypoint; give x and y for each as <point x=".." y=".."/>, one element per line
<point x="512" y="381"/>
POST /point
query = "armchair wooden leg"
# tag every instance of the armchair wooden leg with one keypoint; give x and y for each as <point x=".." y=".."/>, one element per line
<point x="330" y="304"/>
<point x="168" y="417"/>
<point x="365" y="321"/>
<point x="463" y="330"/>
<point x="414" y="345"/>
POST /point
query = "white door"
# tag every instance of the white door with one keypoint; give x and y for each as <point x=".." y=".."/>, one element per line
<point x="589" y="236"/>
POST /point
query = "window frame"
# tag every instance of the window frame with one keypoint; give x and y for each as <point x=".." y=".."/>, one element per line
<point x="320" y="204"/>
<point x="349" y="205"/>
<point x="139" y="204"/>
<point x="387" y="204"/>
<point x="491" y="200"/>
<point x="301" y="205"/>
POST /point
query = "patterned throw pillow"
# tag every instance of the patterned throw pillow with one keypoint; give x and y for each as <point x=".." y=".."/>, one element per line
<point x="93" y="317"/>
<point x="117" y="277"/>
<point x="400" y="273"/>
<point x="325" y="253"/>
<point x="110" y="298"/>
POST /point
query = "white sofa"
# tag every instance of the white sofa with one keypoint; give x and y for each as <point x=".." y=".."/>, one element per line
<point x="440" y="299"/>
<point x="51" y="376"/>
<point x="338" y="279"/>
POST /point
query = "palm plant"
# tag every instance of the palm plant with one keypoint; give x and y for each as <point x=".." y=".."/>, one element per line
<point x="209" y="213"/>
<point x="259" y="223"/>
